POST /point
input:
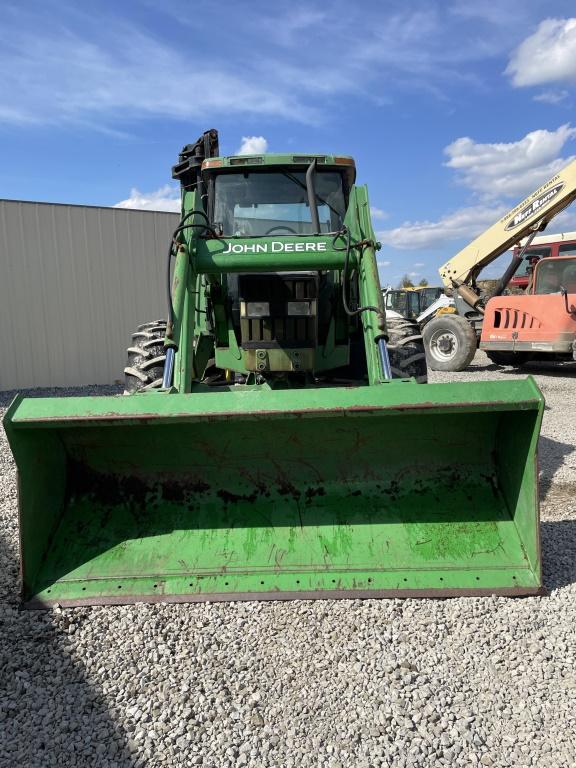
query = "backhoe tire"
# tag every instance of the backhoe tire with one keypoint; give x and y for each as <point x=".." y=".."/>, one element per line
<point x="450" y="343"/>
<point x="146" y="358"/>
<point x="503" y="357"/>
<point x="406" y="350"/>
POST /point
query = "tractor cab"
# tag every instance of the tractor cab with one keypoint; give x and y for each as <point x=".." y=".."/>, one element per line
<point x="277" y="195"/>
<point x="288" y="320"/>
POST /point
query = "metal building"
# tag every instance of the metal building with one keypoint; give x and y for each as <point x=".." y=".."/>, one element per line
<point x="75" y="281"/>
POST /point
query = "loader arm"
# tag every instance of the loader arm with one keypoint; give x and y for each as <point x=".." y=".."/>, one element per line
<point x="531" y="215"/>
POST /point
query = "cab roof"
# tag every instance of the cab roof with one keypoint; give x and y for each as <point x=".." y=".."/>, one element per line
<point x="301" y="160"/>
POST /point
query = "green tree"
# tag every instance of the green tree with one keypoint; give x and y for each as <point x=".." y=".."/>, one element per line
<point x="423" y="283"/>
<point x="405" y="282"/>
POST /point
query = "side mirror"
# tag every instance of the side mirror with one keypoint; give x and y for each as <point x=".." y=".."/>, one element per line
<point x="570" y="310"/>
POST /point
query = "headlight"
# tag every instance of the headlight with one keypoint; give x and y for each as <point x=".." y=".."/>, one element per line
<point x="255" y="309"/>
<point x="301" y="308"/>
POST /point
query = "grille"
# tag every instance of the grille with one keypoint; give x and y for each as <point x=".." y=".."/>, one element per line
<point x="278" y="329"/>
<point x="514" y="318"/>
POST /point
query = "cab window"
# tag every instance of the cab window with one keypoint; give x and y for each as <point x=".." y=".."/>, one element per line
<point x="567" y="249"/>
<point x="553" y="274"/>
<point x="532" y="253"/>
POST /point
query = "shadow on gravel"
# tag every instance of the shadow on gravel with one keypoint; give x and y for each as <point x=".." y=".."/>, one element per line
<point x="50" y="713"/>
<point x="551" y="456"/>
<point x="541" y="368"/>
<point x="558" y="536"/>
<point x="558" y="553"/>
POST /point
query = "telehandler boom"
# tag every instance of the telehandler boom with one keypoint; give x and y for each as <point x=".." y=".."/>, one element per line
<point x="279" y="439"/>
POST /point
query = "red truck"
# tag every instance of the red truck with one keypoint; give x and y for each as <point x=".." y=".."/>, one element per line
<point x="540" y="248"/>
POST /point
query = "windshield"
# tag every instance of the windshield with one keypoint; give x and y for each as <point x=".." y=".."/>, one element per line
<point x="531" y="253"/>
<point x="428" y="297"/>
<point x="404" y="302"/>
<point x="253" y="204"/>
<point x="396" y="300"/>
<point x="553" y="274"/>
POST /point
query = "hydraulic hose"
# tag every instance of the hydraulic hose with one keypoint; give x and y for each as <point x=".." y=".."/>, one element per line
<point x="173" y="241"/>
<point x="381" y="338"/>
<point x="345" y="232"/>
<point x="171" y="351"/>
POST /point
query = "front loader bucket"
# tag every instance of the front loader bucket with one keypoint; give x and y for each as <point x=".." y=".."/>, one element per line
<point x="390" y="490"/>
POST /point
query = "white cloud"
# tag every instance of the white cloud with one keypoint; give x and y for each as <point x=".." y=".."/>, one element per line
<point x="512" y="169"/>
<point x="384" y="263"/>
<point x="252" y="145"/>
<point x="551" y="97"/>
<point x="547" y="56"/>
<point x="167" y="198"/>
<point x="465" y="223"/>
<point x="419" y="264"/>
<point x="378" y="213"/>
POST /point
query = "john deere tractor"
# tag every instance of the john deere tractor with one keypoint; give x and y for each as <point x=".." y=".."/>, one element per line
<point x="278" y="438"/>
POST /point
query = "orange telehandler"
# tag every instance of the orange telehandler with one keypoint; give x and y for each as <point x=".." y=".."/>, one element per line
<point x="516" y="329"/>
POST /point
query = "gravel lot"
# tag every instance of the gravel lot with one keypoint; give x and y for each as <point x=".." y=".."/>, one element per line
<point x="469" y="681"/>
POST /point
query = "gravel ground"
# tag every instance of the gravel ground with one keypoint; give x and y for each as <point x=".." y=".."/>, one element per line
<point x="469" y="681"/>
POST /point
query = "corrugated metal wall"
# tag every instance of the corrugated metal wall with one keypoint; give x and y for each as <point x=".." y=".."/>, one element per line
<point x="75" y="281"/>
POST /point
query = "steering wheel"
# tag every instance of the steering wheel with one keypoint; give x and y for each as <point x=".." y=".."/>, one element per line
<point x="275" y="228"/>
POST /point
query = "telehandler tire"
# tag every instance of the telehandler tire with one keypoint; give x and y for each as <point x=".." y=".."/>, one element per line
<point x="450" y="343"/>
<point x="146" y="358"/>
<point x="406" y="350"/>
<point x="503" y="357"/>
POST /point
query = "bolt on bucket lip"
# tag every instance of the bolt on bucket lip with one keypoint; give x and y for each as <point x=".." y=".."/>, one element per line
<point x="40" y="603"/>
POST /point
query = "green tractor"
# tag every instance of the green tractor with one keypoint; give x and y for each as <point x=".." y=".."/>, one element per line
<point x="278" y="438"/>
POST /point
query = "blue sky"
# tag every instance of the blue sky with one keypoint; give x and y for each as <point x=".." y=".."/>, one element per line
<point x="454" y="110"/>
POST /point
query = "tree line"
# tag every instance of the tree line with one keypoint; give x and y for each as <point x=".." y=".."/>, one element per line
<point x="406" y="282"/>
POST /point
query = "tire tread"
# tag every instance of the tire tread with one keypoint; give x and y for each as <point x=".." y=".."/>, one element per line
<point x="146" y="357"/>
<point x="406" y="351"/>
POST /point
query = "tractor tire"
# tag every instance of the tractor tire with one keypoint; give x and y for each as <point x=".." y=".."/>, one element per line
<point x="450" y="343"/>
<point x="146" y="358"/>
<point x="406" y="350"/>
<point x="516" y="359"/>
